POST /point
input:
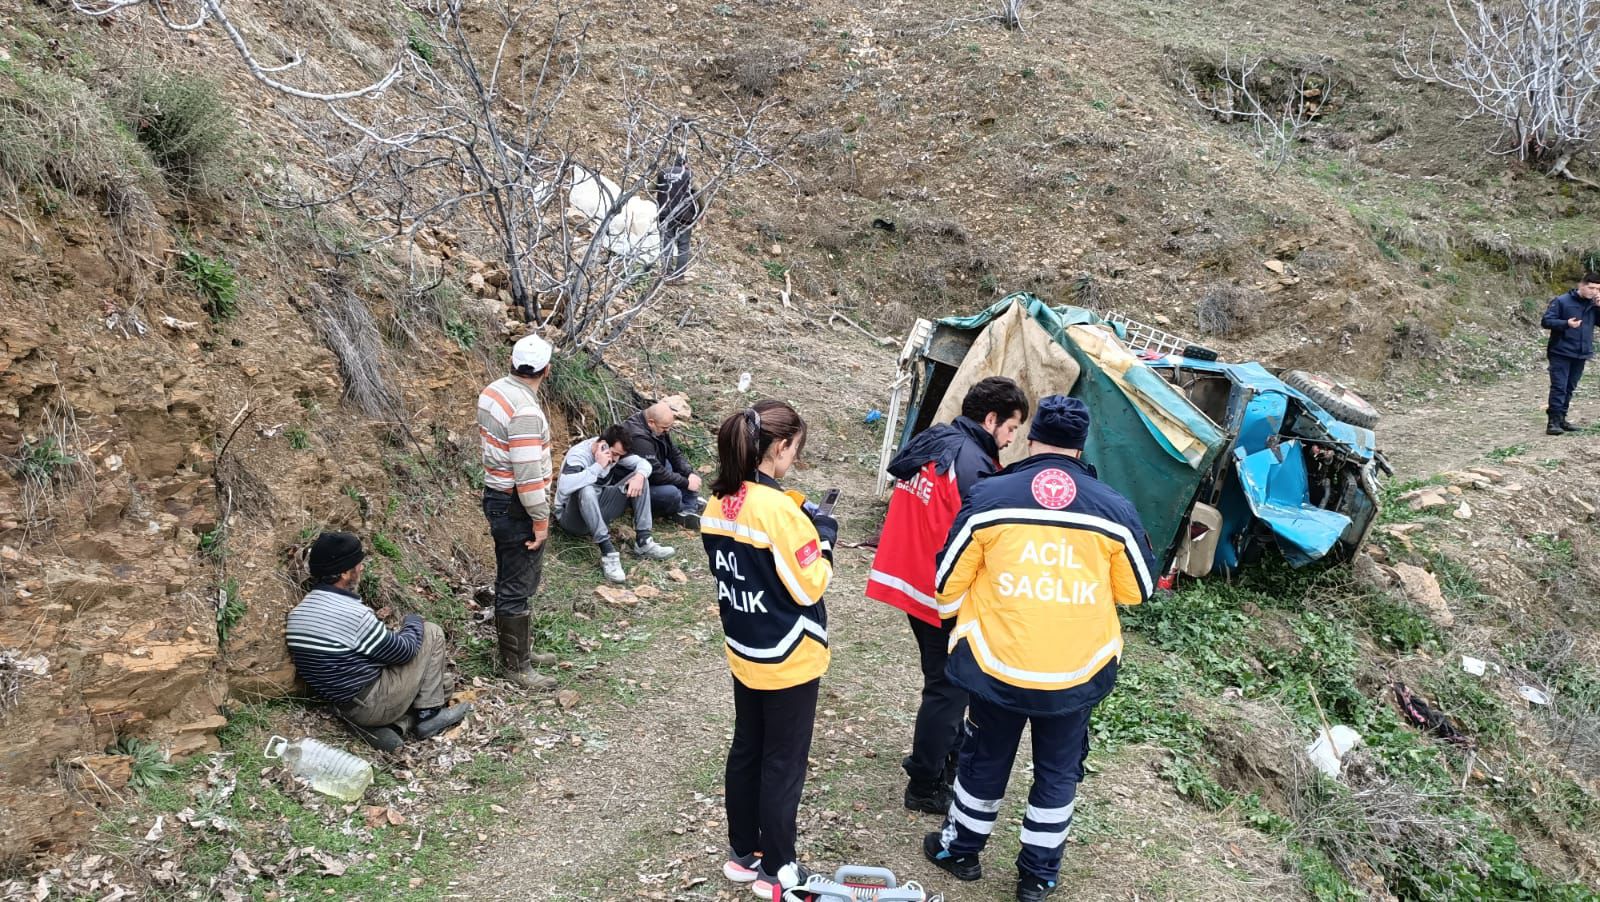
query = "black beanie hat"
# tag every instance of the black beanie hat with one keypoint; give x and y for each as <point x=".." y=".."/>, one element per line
<point x="1060" y="421"/>
<point x="333" y="553"/>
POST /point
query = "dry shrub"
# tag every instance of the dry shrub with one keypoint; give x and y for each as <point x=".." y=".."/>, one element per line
<point x="1229" y="311"/>
<point x="185" y="124"/>
<point x="348" y="329"/>
<point x="758" y="69"/>
<point x="55" y="133"/>
<point x="1414" y="340"/>
<point x="1387" y="826"/>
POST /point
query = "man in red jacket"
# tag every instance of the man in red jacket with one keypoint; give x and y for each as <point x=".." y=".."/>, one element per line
<point x="935" y="472"/>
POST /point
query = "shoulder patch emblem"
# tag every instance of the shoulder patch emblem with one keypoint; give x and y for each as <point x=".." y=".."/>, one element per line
<point x="1054" y="489"/>
<point x="808" y="554"/>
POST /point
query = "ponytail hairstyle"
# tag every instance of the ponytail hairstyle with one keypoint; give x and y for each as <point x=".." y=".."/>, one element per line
<point x="744" y="437"/>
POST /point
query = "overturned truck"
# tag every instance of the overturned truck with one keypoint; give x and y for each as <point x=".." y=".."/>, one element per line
<point x="1224" y="461"/>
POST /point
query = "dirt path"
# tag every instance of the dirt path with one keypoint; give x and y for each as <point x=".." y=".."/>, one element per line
<point x="1466" y="424"/>
<point x="635" y="811"/>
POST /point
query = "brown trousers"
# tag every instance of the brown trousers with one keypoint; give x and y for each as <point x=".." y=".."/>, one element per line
<point x="418" y="683"/>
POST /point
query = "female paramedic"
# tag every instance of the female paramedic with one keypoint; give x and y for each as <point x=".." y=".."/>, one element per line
<point x="771" y="552"/>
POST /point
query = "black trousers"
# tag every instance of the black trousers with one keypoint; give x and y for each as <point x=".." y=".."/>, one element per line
<point x="517" y="570"/>
<point x="1564" y="375"/>
<point x="767" y="769"/>
<point x="936" y="739"/>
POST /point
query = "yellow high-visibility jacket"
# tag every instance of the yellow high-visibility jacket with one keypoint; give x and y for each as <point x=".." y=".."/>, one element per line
<point x="1037" y="561"/>
<point x="771" y="567"/>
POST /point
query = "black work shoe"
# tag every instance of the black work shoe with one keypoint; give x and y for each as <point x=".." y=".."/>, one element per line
<point x="687" y="519"/>
<point x="433" y="721"/>
<point x="1033" y="889"/>
<point x="962" y="867"/>
<point x="1567" y="427"/>
<point x="930" y="797"/>
<point x="384" y="739"/>
<point x="1554" y="427"/>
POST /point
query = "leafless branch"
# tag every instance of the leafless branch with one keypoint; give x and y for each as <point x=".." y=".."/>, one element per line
<point x="1237" y="93"/>
<point x="1533" y="66"/>
<point x="208" y="12"/>
<point x="474" y="135"/>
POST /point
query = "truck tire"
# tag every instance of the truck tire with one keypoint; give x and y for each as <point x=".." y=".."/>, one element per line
<point x="1198" y="352"/>
<point x="1336" y="398"/>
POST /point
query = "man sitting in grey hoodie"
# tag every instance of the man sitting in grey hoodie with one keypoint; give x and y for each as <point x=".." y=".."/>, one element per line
<point x="598" y="482"/>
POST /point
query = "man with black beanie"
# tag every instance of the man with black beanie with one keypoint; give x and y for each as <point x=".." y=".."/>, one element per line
<point x="1036" y="563"/>
<point x="372" y="675"/>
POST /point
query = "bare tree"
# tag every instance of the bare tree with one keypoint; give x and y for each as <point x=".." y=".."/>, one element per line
<point x="477" y="129"/>
<point x="1240" y="92"/>
<point x="1010" y="14"/>
<point x="1531" y="65"/>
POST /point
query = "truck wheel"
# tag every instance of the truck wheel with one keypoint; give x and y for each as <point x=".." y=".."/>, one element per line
<point x="1198" y="352"/>
<point x="1334" y="397"/>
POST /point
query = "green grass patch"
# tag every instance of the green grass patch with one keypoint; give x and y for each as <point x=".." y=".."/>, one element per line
<point x="589" y="391"/>
<point x="265" y="821"/>
<point x="150" y="767"/>
<point x="1506" y="452"/>
<point x="230" y="610"/>
<point x="215" y="280"/>
<point x="41" y="462"/>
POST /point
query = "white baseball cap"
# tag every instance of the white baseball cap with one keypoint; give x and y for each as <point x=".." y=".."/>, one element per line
<point x="530" y="351"/>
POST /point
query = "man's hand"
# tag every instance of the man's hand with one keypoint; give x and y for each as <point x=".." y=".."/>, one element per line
<point x="1575" y="323"/>
<point x="604" y="456"/>
<point x="694" y="482"/>
<point x="541" y="531"/>
<point x="636" y="485"/>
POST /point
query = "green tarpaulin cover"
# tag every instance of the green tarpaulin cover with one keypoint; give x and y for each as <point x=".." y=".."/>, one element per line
<point x="1125" y="445"/>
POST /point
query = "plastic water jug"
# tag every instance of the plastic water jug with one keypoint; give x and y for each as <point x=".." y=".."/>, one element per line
<point x="330" y="771"/>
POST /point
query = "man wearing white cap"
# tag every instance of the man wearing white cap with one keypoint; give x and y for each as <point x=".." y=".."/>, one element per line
<point x="516" y="500"/>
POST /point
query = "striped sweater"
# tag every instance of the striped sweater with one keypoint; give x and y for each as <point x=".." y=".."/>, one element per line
<point x="339" y="646"/>
<point x="516" y="444"/>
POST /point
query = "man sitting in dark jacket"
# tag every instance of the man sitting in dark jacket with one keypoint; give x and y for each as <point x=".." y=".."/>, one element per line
<point x="674" y="486"/>
<point x="1570" y="319"/>
<point x="347" y="656"/>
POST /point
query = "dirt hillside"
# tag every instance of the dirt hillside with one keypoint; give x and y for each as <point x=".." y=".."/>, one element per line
<point x="194" y="380"/>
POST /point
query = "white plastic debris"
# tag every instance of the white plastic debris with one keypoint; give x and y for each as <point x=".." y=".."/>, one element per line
<point x="1536" y="696"/>
<point x="1474" y="666"/>
<point x="744" y="382"/>
<point x="1328" y="752"/>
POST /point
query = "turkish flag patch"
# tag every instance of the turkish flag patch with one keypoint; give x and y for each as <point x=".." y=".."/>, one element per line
<point x="808" y="554"/>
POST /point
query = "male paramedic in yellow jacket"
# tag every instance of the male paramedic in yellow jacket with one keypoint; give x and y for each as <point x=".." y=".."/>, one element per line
<point x="1036" y="564"/>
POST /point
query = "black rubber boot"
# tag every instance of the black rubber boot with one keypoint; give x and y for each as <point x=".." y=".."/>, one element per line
<point x="1566" y="426"/>
<point x="433" y="721"/>
<point x="962" y="867"/>
<point x="385" y="738"/>
<point x="511" y="634"/>
<point x="1553" y="426"/>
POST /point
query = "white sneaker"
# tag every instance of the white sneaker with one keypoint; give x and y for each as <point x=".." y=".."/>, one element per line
<point x="653" y="550"/>
<point x="789" y="876"/>
<point x="612" y="565"/>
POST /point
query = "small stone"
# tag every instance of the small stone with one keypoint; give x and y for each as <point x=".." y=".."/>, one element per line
<point x="1464" y="512"/>
<point x="677" y="576"/>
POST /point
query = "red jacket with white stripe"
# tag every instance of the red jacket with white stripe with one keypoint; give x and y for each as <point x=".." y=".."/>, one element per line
<point x="935" y="472"/>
